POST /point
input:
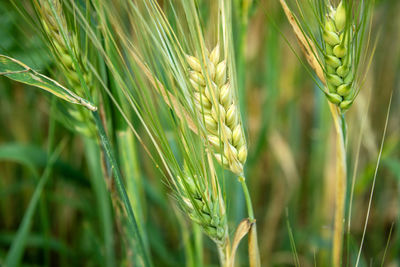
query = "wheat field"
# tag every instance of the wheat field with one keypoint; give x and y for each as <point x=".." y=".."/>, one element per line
<point x="199" y="133"/>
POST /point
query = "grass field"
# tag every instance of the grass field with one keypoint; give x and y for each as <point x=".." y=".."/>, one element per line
<point x="199" y="133"/>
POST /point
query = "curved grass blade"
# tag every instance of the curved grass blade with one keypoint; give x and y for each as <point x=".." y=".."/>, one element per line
<point x="20" y="72"/>
<point x="36" y="240"/>
<point x="34" y="157"/>
<point x="14" y="255"/>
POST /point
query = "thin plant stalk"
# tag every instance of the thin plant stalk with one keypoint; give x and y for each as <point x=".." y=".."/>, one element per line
<point x="18" y="245"/>
<point x="246" y="193"/>
<point x="341" y="187"/>
<point x="224" y="255"/>
<point x="198" y="244"/>
<point x="191" y="257"/>
<point x="130" y="169"/>
<point x="92" y="153"/>
<point x="254" y="254"/>
<point x="102" y="135"/>
<point x="120" y="187"/>
<point x="242" y="47"/>
<point x="341" y="51"/>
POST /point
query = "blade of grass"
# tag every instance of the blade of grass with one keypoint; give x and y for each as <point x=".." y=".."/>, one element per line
<point x="198" y="245"/>
<point x="130" y="168"/>
<point x="37" y="240"/>
<point x="374" y="181"/>
<point x="109" y="153"/>
<point x="121" y="188"/>
<point x="92" y="153"/>
<point x="354" y="176"/>
<point x="387" y="245"/>
<point x="20" y="72"/>
<point x="43" y="204"/>
<point x="14" y="255"/>
<point x="34" y="157"/>
<point x="292" y="242"/>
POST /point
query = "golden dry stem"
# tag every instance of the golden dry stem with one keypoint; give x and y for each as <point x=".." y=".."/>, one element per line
<point x="341" y="187"/>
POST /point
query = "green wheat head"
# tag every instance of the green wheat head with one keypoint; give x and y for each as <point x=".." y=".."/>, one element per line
<point x="339" y="51"/>
<point x="69" y="57"/>
<point x="155" y="71"/>
<point x="339" y="43"/>
<point x="203" y="205"/>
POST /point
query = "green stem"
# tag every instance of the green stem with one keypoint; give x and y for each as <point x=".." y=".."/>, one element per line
<point x="130" y="168"/>
<point x="224" y="256"/>
<point x="189" y="250"/>
<point x="341" y="184"/>
<point x="249" y="205"/>
<point x="254" y="252"/>
<point x="15" y="253"/>
<point x="92" y="155"/>
<point x="120" y="187"/>
<point x="198" y="245"/>
<point x="105" y="143"/>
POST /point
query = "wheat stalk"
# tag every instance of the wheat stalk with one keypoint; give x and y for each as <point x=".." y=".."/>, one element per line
<point x="336" y="63"/>
<point x="199" y="92"/>
<point x="339" y="81"/>
<point x="215" y="103"/>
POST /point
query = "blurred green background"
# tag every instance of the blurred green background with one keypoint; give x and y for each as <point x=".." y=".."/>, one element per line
<point x="290" y="169"/>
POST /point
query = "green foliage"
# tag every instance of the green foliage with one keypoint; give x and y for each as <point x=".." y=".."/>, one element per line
<point x="143" y="188"/>
<point x="19" y="72"/>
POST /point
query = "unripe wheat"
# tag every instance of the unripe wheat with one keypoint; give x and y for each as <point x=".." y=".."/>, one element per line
<point x="339" y="71"/>
<point x="82" y="121"/>
<point x="216" y="105"/>
<point x="203" y="208"/>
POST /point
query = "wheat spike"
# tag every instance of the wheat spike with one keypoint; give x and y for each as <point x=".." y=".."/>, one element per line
<point x="203" y="207"/>
<point x="338" y="58"/>
<point x="216" y="105"/>
<point x="82" y="121"/>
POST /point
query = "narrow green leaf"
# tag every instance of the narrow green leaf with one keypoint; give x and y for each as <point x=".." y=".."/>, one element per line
<point x="15" y="253"/>
<point x="20" y="72"/>
<point x="34" y="157"/>
<point x="109" y="153"/>
<point x="102" y="199"/>
<point x="38" y="241"/>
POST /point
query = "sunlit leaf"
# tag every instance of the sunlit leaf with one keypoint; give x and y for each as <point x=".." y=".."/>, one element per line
<point x="20" y="72"/>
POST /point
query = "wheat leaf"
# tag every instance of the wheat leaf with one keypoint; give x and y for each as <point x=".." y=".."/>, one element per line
<point x="241" y="231"/>
<point x="306" y="45"/>
<point x="18" y="245"/>
<point x="18" y="71"/>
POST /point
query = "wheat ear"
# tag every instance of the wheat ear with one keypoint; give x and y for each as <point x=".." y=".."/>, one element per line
<point x="215" y="103"/>
<point x="338" y="58"/>
<point x="65" y="50"/>
<point x="203" y="208"/>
